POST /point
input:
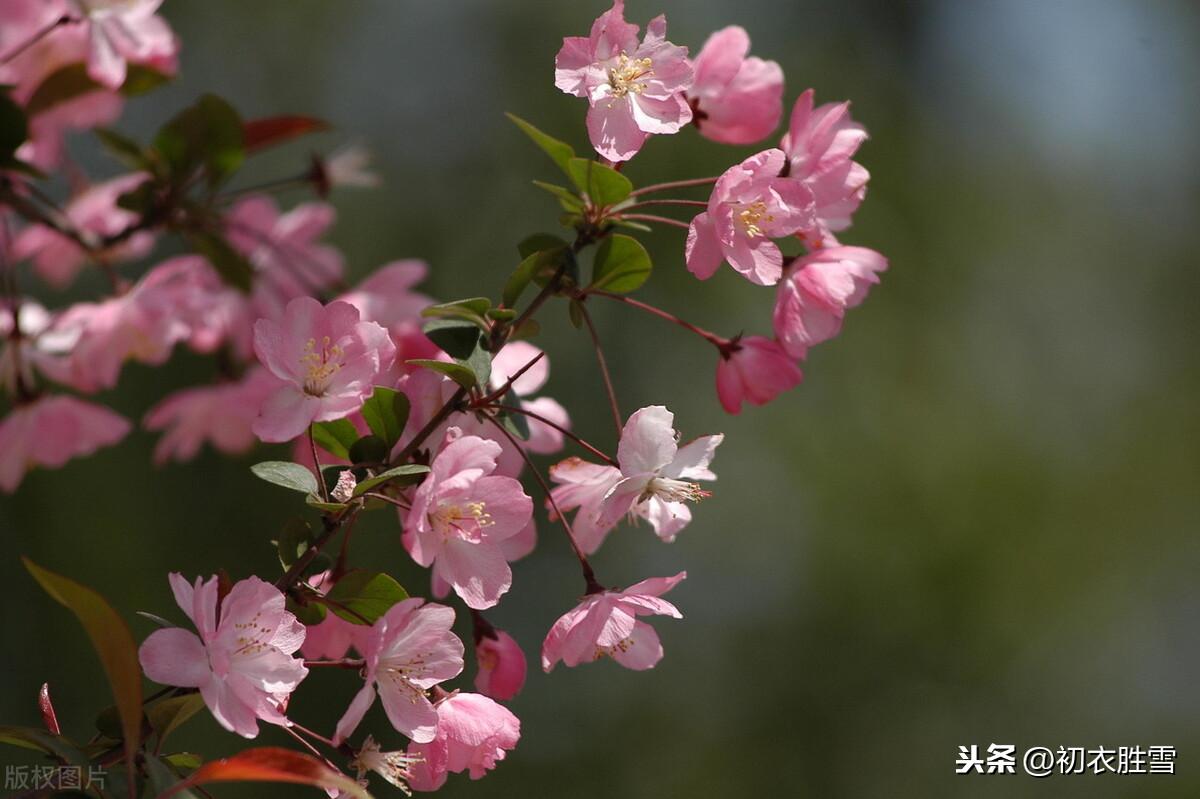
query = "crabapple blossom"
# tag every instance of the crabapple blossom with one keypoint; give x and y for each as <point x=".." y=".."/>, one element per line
<point x="395" y="767"/>
<point x="606" y="623"/>
<point x="120" y="31"/>
<point x="408" y="650"/>
<point x="222" y="415"/>
<point x="632" y="89"/>
<point x="349" y="166"/>
<point x="474" y="733"/>
<point x="814" y="298"/>
<point x="756" y="370"/>
<point x="58" y="259"/>
<point x="502" y="667"/>
<point x="735" y="99"/>
<point x="583" y="486"/>
<point x="242" y="658"/>
<point x="543" y="438"/>
<point x="819" y="145"/>
<point x="52" y="430"/>
<point x="461" y="514"/>
<point x="658" y="475"/>
<point x="326" y="361"/>
<point x="750" y="205"/>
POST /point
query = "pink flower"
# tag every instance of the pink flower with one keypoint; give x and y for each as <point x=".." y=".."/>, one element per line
<point x="606" y="624"/>
<point x="386" y="296"/>
<point x="241" y="661"/>
<point x="325" y="358"/>
<point x="501" y="672"/>
<point x="757" y="371"/>
<point x="461" y="515"/>
<point x="543" y="438"/>
<point x="200" y="308"/>
<point x="124" y="30"/>
<point x="657" y="475"/>
<point x="736" y="100"/>
<point x="819" y="145"/>
<point x="51" y="431"/>
<point x="58" y="259"/>
<point x="750" y="205"/>
<point x="48" y="129"/>
<point x="584" y="486"/>
<point x="473" y="734"/>
<point x="283" y="248"/>
<point x="333" y="636"/>
<point x="409" y="650"/>
<point x="632" y="89"/>
<point x="814" y="298"/>
<point x="222" y="415"/>
<point x="39" y="348"/>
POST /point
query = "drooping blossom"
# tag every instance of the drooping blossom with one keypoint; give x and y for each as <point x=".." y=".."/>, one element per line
<point x="502" y="666"/>
<point x="347" y="167"/>
<point x="750" y="205"/>
<point x="756" y="370"/>
<point x="39" y="349"/>
<point x="460" y="516"/>
<point x="632" y="89"/>
<point x="221" y="415"/>
<point x="813" y="300"/>
<point x="242" y="658"/>
<point x="121" y="31"/>
<point x="543" y="438"/>
<point x="409" y="650"/>
<point x="395" y="767"/>
<point x="326" y="361"/>
<point x="736" y="99"/>
<point x="288" y="260"/>
<point x="820" y="144"/>
<point x="583" y="486"/>
<point x="50" y="431"/>
<point x="474" y="733"/>
<point x="657" y="475"/>
<point x="58" y="259"/>
<point x="606" y="624"/>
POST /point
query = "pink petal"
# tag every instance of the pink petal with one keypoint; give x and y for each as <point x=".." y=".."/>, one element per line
<point x="174" y="657"/>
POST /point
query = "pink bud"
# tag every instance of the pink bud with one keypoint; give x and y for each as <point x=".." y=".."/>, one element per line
<point x="501" y="667"/>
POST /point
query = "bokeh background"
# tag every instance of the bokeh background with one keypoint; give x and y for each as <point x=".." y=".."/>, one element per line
<point x="975" y="522"/>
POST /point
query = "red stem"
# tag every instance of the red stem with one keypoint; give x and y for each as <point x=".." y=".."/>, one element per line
<point x="712" y="338"/>
<point x="608" y="385"/>
<point x="674" y="184"/>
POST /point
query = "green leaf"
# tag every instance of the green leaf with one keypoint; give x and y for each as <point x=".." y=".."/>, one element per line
<point x="187" y="761"/>
<point x="294" y="540"/>
<point x="14" y="129"/>
<point x="167" y="715"/>
<point x="286" y="474"/>
<point x="313" y="501"/>
<point x="622" y="265"/>
<point x="502" y="314"/>
<point x="472" y="310"/>
<point x="386" y="413"/>
<point x="309" y="613"/>
<point x="229" y="263"/>
<point x="602" y="184"/>
<point x="335" y="437"/>
<point x="369" y="449"/>
<point x="408" y="473"/>
<point x="270" y="764"/>
<point x="458" y="338"/>
<point x="569" y="200"/>
<point x="113" y="643"/>
<point x="207" y="134"/>
<point x="362" y="596"/>
<point x="559" y="151"/>
<point x="37" y="740"/>
<point x="458" y="372"/>
<point x="539" y="242"/>
<point x="62" y="85"/>
<point x="522" y="276"/>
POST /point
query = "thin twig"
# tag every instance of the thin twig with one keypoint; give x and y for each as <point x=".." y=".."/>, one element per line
<point x="608" y="384"/>
<point x="532" y="415"/>
<point x="712" y="338"/>
<point x="661" y="220"/>
<point x="673" y="184"/>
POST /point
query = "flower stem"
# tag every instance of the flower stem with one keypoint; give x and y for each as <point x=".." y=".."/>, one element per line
<point x="608" y="384"/>
<point x="712" y="338"/>
<point x="644" y="203"/>
<point x="673" y="184"/>
<point x="580" y="441"/>
<point x="661" y="220"/>
<point x="65" y="19"/>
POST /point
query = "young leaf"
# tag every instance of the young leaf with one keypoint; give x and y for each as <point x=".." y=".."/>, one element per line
<point x="458" y="372"/>
<point x="559" y="151"/>
<point x="408" y="473"/>
<point x="458" y="338"/>
<point x="335" y="437"/>
<point x="113" y="643"/>
<point x="386" y="413"/>
<point x="294" y="539"/>
<point x="362" y="596"/>
<point x="286" y="474"/>
<point x="167" y="715"/>
<point x="602" y="184"/>
<point x="259" y="134"/>
<point x="539" y="242"/>
<point x="472" y="310"/>
<point x="269" y="764"/>
<point x="207" y="134"/>
<point x="39" y="741"/>
<point x="369" y="449"/>
<point x="622" y="265"/>
<point x="568" y="199"/>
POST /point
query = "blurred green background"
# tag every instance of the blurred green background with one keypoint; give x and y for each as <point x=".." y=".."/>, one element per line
<point x="976" y="520"/>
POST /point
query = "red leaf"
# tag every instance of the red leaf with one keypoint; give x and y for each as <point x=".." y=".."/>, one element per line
<point x="47" y="708"/>
<point x="270" y="764"/>
<point x="258" y="134"/>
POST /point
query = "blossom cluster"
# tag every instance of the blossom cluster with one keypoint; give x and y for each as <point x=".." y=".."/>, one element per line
<point x="388" y="400"/>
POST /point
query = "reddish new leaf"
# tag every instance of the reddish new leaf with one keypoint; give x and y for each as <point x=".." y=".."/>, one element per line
<point x="270" y="764"/>
<point x="259" y="134"/>
<point x="47" y="708"/>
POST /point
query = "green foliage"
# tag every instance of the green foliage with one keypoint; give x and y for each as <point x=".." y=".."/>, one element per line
<point x="361" y="596"/>
<point x="400" y="475"/>
<point x="286" y="474"/>
<point x="568" y="199"/>
<point x="170" y="713"/>
<point x="473" y="309"/>
<point x="369" y="449"/>
<point x="621" y="265"/>
<point x="602" y="184"/>
<point x="294" y="540"/>
<point x="335" y="437"/>
<point x="206" y="135"/>
<point x="560" y="152"/>
<point x="386" y="413"/>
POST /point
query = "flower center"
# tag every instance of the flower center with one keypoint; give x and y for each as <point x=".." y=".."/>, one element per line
<point x="672" y="490"/>
<point x="466" y="521"/>
<point x="320" y="364"/>
<point x="625" y="75"/>
<point x="751" y="215"/>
